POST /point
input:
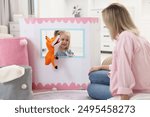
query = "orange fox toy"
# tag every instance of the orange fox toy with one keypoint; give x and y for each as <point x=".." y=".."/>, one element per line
<point x="50" y="57"/>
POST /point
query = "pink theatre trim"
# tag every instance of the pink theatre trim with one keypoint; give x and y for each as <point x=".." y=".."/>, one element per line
<point x="59" y="86"/>
<point x="65" y="20"/>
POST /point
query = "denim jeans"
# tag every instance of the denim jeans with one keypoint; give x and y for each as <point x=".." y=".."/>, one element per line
<point x="99" y="85"/>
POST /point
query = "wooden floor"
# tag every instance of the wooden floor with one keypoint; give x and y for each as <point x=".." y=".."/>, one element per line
<point x="61" y="95"/>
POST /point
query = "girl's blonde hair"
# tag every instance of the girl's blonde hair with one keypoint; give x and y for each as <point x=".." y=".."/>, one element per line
<point x="118" y="19"/>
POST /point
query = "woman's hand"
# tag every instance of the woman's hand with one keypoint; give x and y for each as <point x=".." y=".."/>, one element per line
<point x="95" y="68"/>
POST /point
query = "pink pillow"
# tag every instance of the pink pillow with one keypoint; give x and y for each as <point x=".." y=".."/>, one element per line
<point x="13" y="51"/>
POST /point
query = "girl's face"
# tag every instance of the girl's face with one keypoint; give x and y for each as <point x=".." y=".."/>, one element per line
<point x="65" y="40"/>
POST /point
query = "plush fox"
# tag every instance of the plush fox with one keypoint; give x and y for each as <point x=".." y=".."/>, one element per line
<point x="50" y="57"/>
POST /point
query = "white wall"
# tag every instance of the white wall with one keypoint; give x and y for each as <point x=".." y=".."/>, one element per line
<point x="144" y="27"/>
<point x="83" y="4"/>
<point x="23" y="7"/>
<point x="51" y="8"/>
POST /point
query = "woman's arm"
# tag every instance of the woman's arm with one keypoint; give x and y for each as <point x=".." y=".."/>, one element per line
<point x="105" y="67"/>
<point x="124" y="56"/>
<point x="102" y="67"/>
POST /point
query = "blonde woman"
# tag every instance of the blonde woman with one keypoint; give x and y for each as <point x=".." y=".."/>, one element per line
<point x="63" y="49"/>
<point x="130" y="69"/>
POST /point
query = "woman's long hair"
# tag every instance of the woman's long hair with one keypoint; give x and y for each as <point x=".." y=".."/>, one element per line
<point x="117" y="19"/>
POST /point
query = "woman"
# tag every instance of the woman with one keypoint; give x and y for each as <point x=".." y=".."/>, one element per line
<point x="130" y="69"/>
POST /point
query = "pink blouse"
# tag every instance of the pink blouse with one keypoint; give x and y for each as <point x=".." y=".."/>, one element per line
<point x="130" y="69"/>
